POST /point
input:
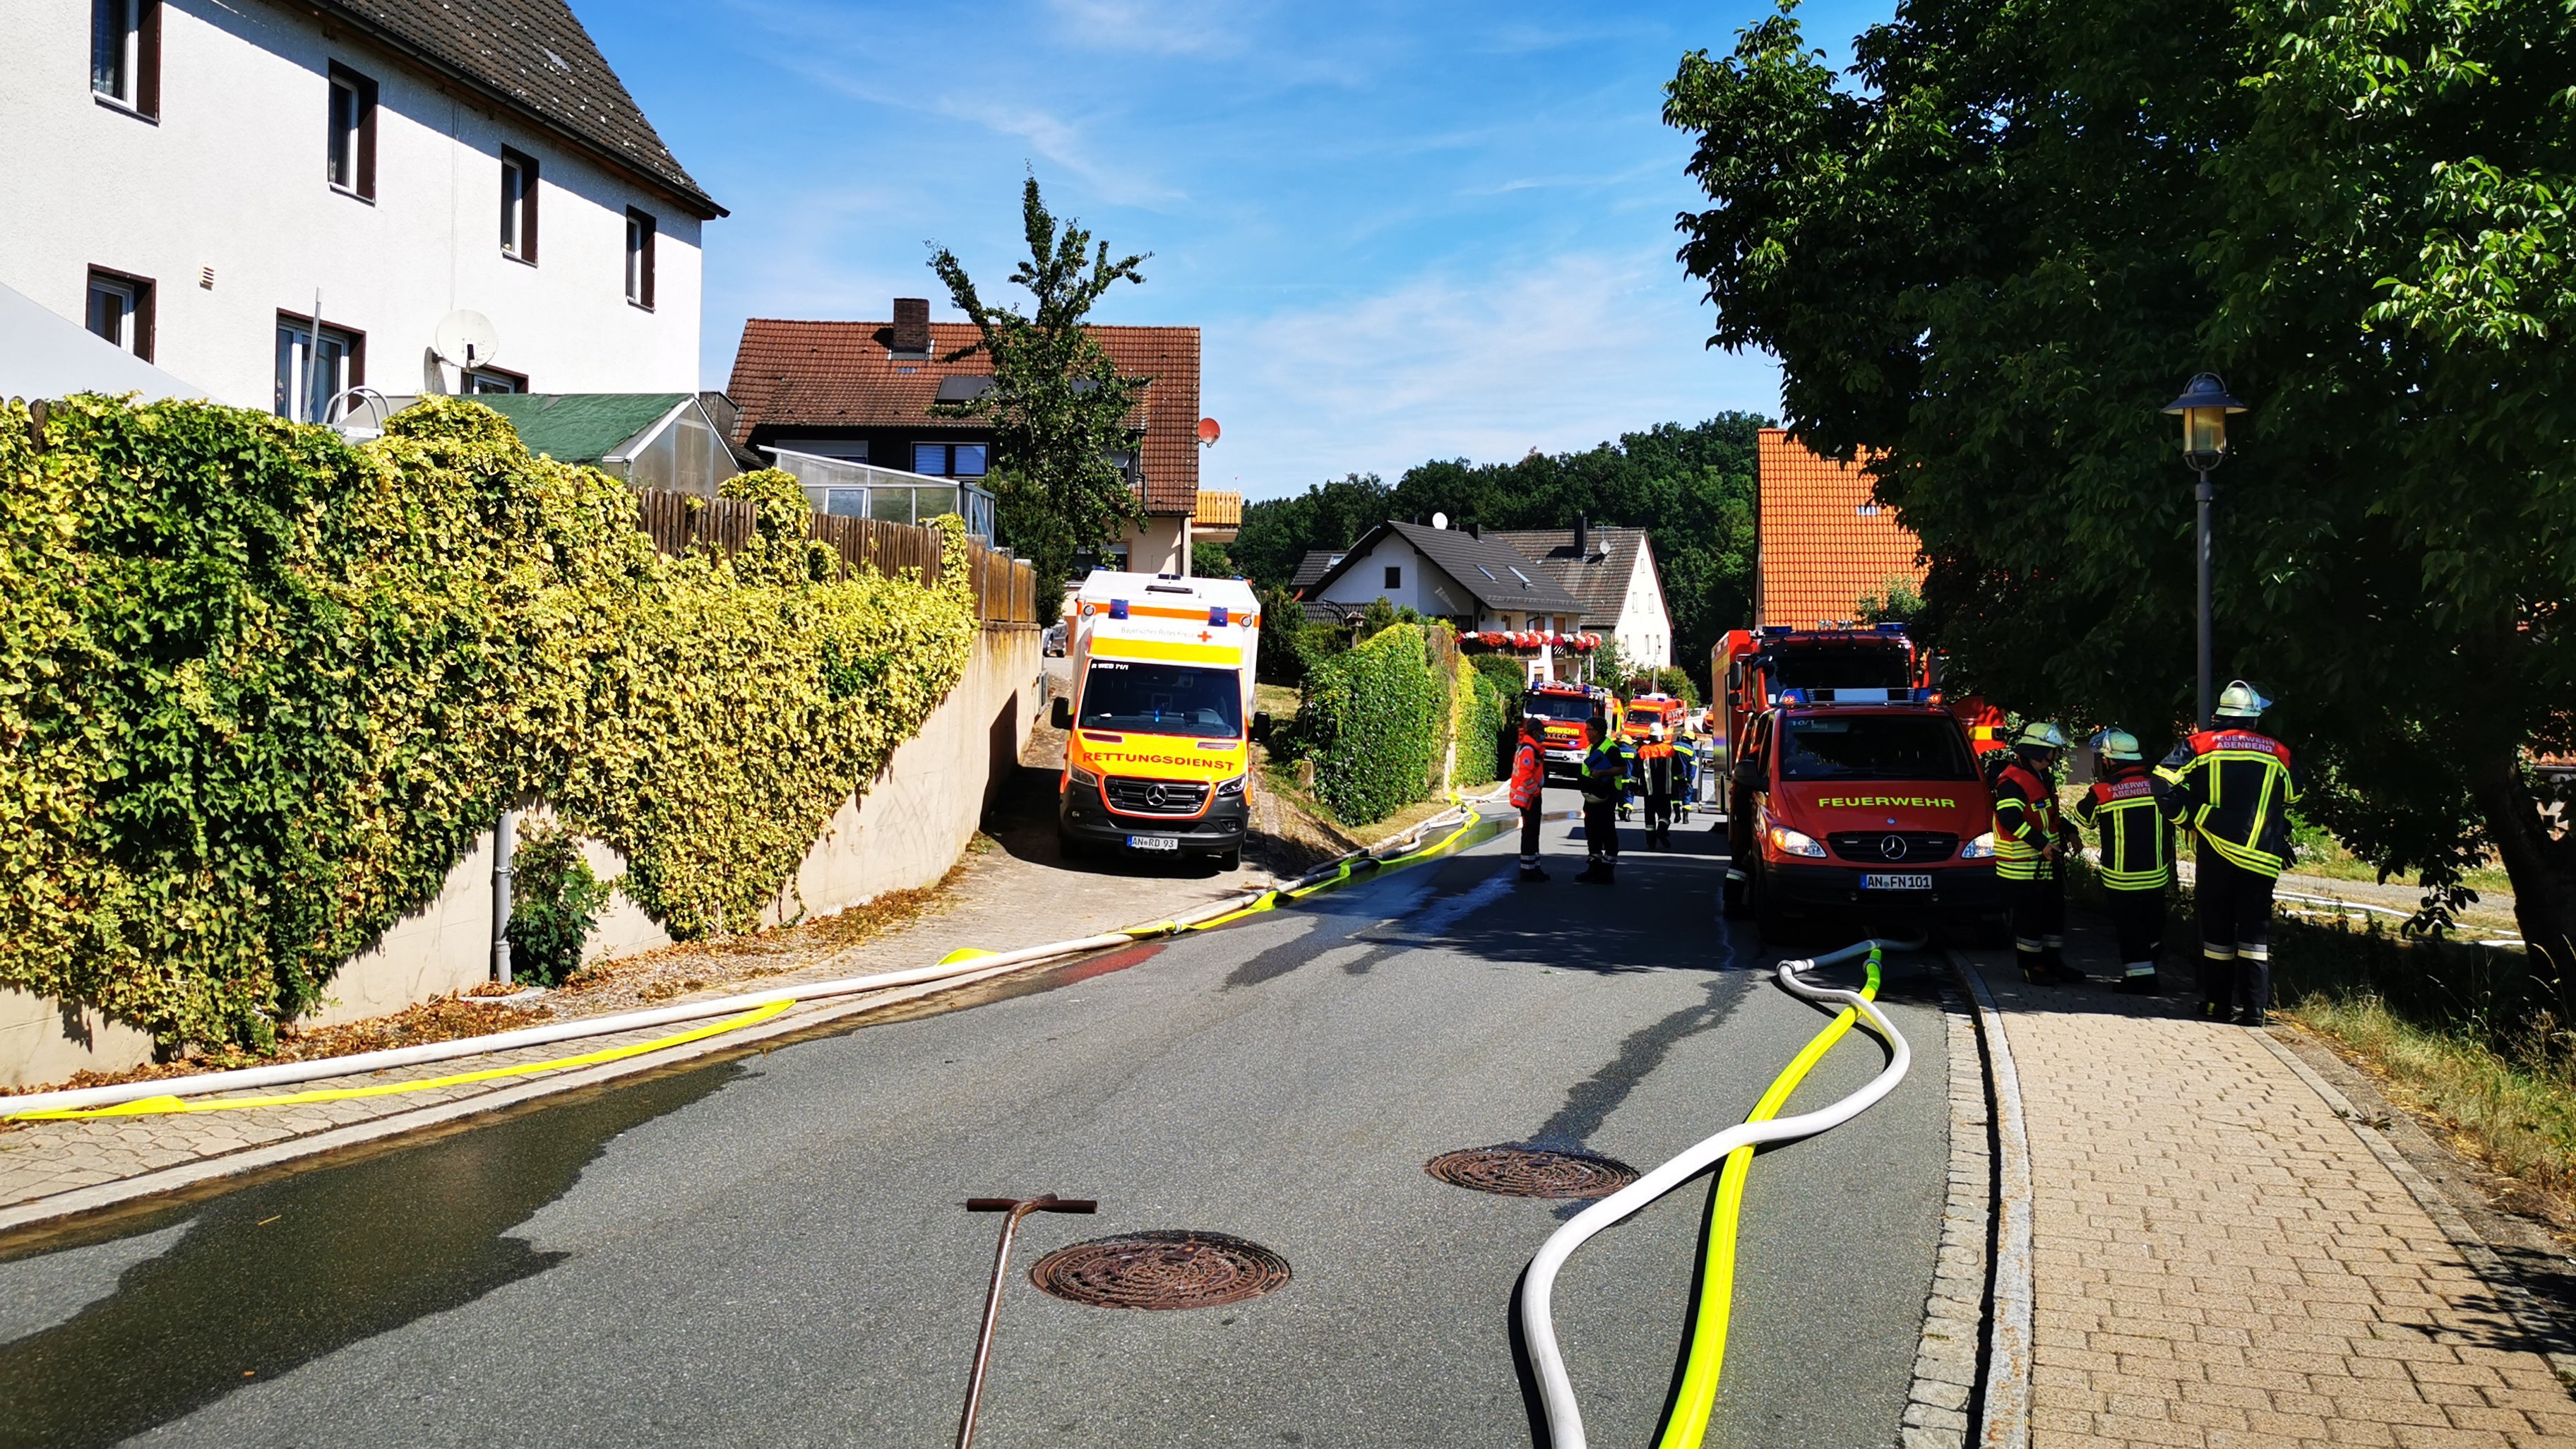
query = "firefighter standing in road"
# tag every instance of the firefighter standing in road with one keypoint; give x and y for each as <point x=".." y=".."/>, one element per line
<point x="1605" y="776"/>
<point x="1529" y="787"/>
<point x="2232" y="786"/>
<point x="2135" y="862"/>
<point x="2028" y="832"/>
<point x="1626" y="744"/>
<point x="1659" y="771"/>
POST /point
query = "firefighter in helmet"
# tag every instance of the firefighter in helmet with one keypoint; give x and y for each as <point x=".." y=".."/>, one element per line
<point x="2136" y="865"/>
<point x="1529" y="788"/>
<point x="2028" y="846"/>
<point x="1604" y="780"/>
<point x="1659" y="773"/>
<point x="2232" y="786"/>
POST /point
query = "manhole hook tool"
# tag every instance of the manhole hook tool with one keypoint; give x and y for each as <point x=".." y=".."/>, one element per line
<point x="1018" y="1208"/>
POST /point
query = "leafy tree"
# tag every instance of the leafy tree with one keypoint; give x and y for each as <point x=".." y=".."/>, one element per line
<point x="1987" y="263"/>
<point x="1211" y="561"/>
<point x="1894" y="600"/>
<point x="1058" y="405"/>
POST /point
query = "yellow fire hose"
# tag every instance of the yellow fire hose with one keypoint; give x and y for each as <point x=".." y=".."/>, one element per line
<point x="1697" y="1396"/>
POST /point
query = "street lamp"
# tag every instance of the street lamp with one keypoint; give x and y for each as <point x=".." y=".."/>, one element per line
<point x="2203" y="407"/>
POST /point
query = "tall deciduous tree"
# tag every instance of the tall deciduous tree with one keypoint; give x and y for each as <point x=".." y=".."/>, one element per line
<point x="1987" y="263"/>
<point x="1058" y="404"/>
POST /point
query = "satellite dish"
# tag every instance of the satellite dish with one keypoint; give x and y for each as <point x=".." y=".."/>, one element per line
<point x="465" y="339"/>
<point x="1440" y="520"/>
<point x="1209" y="432"/>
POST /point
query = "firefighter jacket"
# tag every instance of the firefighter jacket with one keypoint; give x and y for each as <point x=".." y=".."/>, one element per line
<point x="1605" y="772"/>
<point x="2026" y="820"/>
<point x="1529" y="774"/>
<point x="1659" y="769"/>
<point x="2234" y="788"/>
<point x="2123" y="808"/>
<point x="1626" y="745"/>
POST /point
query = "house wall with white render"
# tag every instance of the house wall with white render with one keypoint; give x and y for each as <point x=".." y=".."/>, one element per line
<point x="222" y="202"/>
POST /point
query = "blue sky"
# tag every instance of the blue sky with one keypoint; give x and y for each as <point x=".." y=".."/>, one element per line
<point x="1407" y="230"/>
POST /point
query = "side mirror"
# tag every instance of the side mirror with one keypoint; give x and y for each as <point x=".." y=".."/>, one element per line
<point x="1261" y="725"/>
<point x="1062" y="715"/>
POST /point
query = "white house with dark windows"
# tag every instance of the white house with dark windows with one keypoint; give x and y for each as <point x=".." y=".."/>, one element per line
<point x="186" y="177"/>
<point x="1476" y="582"/>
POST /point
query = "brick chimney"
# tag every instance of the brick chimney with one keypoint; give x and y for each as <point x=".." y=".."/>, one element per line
<point x="911" y="324"/>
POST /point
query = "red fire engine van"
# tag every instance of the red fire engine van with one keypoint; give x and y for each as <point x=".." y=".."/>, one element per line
<point x="1563" y="711"/>
<point x="1872" y="808"/>
<point x="1874" y="665"/>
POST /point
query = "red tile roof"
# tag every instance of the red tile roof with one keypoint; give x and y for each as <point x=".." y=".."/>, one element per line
<point x="841" y="375"/>
<point x="1825" y="541"/>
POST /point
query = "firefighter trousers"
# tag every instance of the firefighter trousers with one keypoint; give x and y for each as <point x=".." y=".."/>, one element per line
<point x="1529" y="836"/>
<point x="2038" y="920"/>
<point x="2138" y="923"/>
<point x="1659" y="817"/>
<point x="2235" y="938"/>
<point x="1601" y="829"/>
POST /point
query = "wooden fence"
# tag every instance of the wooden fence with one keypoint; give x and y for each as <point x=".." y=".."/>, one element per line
<point x="1005" y="588"/>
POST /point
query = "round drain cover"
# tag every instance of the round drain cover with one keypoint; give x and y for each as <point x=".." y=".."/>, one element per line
<point x="1531" y="1172"/>
<point x="1164" y="1269"/>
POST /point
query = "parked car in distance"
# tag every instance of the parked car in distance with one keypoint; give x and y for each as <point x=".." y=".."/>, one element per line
<point x="1053" y="643"/>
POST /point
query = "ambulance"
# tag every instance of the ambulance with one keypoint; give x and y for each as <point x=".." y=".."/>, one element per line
<point x="1159" y="724"/>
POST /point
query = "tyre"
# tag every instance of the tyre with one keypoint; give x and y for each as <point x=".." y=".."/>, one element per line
<point x="1730" y="898"/>
<point x="1073" y="849"/>
<point x="1229" y="860"/>
<point x="1770" y="918"/>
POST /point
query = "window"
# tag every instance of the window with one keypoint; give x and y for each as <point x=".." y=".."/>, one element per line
<point x="1394" y="576"/>
<point x="493" y="379"/>
<point x="309" y="376"/>
<point x="120" y="310"/>
<point x="950" y="460"/>
<point x="968" y="460"/>
<point x="351" y="161"/>
<point x="518" y="205"/>
<point x="1877" y="747"/>
<point x="639" y="259"/>
<point x="1161" y="699"/>
<point x="125" y="53"/>
<point x="931" y="458"/>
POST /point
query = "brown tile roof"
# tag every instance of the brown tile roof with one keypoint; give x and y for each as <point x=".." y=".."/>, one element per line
<point x="841" y="375"/>
<point x="1494" y="574"/>
<point x="1825" y="541"/>
<point x="1218" y="510"/>
<point x="1600" y="581"/>
<point x="534" y="57"/>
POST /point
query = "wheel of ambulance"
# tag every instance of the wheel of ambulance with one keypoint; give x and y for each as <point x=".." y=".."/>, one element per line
<point x="1070" y="847"/>
<point x="1230" y="860"/>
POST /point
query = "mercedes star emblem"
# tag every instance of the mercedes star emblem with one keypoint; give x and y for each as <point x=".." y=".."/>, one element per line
<point x="1893" y="847"/>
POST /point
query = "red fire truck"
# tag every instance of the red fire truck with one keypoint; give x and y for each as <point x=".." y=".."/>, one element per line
<point x="1880" y="664"/>
<point x="1564" y="711"/>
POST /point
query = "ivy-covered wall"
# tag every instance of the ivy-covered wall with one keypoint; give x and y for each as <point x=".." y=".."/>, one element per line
<point x="1374" y="720"/>
<point x="261" y="688"/>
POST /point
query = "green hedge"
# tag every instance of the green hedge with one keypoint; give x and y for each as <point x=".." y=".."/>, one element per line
<point x="264" y="688"/>
<point x="1373" y="721"/>
<point x="1477" y="723"/>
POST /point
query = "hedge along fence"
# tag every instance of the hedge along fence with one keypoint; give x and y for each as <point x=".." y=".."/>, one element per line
<point x="263" y="689"/>
<point x="1373" y="720"/>
<point x="1005" y="588"/>
<point x="1476" y="714"/>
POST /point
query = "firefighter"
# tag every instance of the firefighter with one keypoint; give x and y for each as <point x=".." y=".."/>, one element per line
<point x="1529" y="787"/>
<point x="1605" y="777"/>
<point x="2232" y="786"/>
<point x="1659" y="771"/>
<point x="1626" y="744"/>
<point x="2136" y="865"/>
<point x="2028" y="832"/>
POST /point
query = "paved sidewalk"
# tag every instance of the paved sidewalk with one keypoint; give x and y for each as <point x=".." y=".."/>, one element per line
<point x="2221" y="1261"/>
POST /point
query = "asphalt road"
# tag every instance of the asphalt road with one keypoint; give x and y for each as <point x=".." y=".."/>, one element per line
<point x="774" y="1251"/>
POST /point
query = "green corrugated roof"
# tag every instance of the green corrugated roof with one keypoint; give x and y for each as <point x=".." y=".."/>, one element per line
<point x="580" y="427"/>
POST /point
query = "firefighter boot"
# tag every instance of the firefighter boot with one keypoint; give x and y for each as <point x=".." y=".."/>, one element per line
<point x="1531" y="873"/>
<point x="2138" y="978"/>
<point x="1597" y="871"/>
<point x="2052" y="960"/>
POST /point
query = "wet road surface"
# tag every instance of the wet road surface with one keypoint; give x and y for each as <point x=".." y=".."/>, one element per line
<point x="773" y="1250"/>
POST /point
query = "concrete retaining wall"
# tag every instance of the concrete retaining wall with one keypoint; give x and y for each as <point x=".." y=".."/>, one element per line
<point x="904" y="831"/>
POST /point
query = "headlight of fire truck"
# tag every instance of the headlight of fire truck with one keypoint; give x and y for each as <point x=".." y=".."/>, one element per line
<point x="1077" y="775"/>
<point x="1791" y="842"/>
<point x="1981" y="848"/>
<point x="1230" y="789"/>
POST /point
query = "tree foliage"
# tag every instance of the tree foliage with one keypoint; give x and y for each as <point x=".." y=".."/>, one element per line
<point x="1987" y="263"/>
<point x="1690" y="488"/>
<point x="1058" y="405"/>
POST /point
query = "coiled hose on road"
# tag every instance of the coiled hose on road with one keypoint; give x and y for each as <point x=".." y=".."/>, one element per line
<point x="1689" y="1420"/>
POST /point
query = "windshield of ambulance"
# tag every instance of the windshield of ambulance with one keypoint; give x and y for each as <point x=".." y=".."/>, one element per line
<point x="1843" y="668"/>
<point x="1161" y="699"/>
<point x="1876" y="747"/>
<point x="1571" y="707"/>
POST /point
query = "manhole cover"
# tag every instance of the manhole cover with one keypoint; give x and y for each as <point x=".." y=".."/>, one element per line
<point x="1531" y="1172"/>
<point x="1165" y="1269"/>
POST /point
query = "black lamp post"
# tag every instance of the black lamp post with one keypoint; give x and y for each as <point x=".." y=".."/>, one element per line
<point x="2203" y="407"/>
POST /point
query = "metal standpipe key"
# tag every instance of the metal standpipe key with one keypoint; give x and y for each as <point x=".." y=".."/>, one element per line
<point x="1018" y="1208"/>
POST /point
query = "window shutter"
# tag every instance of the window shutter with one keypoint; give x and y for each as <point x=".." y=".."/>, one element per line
<point x="366" y="138"/>
<point x="147" y="65"/>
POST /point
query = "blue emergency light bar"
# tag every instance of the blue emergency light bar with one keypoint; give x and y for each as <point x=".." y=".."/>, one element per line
<point x="1118" y="608"/>
<point x="1216" y="616"/>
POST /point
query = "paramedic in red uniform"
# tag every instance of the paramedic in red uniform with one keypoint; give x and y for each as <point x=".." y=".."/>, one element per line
<point x="1529" y="786"/>
<point x="2232" y="786"/>
<point x="2121" y="805"/>
<point x="2027" y="834"/>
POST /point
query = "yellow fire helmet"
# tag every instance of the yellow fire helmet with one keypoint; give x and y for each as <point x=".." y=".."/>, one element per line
<point x="2039" y="734"/>
<point x="2116" y="745"/>
<point x="2240" y="700"/>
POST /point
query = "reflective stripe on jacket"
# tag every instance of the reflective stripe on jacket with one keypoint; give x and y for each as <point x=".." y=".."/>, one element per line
<point x="1658" y="768"/>
<point x="2234" y="789"/>
<point x="2025" y="820"/>
<point x="1529" y="776"/>
<point x="2123" y="808"/>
